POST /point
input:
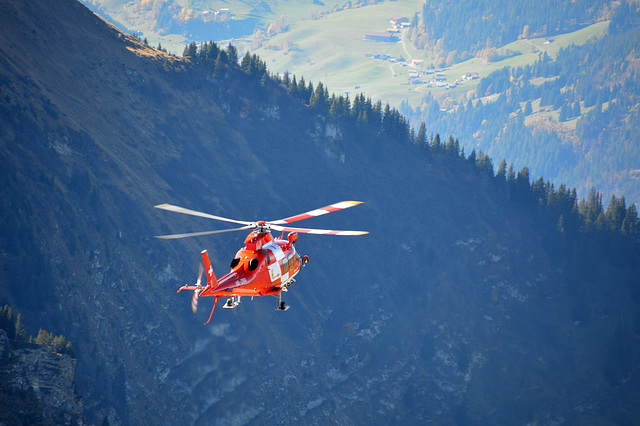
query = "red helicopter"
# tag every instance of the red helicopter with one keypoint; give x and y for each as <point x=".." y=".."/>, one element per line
<point x="265" y="266"/>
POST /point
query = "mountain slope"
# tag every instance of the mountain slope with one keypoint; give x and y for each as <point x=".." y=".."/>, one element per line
<point x="460" y="306"/>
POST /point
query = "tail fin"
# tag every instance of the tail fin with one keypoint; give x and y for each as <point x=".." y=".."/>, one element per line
<point x="212" y="281"/>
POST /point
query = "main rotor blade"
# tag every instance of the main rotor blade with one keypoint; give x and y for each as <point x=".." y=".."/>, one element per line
<point x="317" y="212"/>
<point x="198" y="234"/>
<point x="316" y="231"/>
<point x="178" y="209"/>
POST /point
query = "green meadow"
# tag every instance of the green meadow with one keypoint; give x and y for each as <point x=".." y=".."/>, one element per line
<point x="333" y="50"/>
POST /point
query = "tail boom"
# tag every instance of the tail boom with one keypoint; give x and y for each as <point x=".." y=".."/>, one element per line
<point x="212" y="281"/>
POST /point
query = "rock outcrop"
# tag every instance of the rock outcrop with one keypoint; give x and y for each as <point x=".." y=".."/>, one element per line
<point x="38" y="384"/>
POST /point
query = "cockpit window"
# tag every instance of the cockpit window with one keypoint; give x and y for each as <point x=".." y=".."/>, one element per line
<point x="253" y="264"/>
<point x="235" y="262"/>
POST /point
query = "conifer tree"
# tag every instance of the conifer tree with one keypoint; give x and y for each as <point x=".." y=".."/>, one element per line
<point x="630" y="222"/>
<point x="421" y="138"/>
<point x="564" y="113"/>
<point x="6" y="321"/>
<point x="501" y="174"/>
<point x="20" y="333"/>
<point x="218" y="68"/>
<point x="302" y="90"/>
<point x="387" y="123"/>
<point x="190" y="50"/>
<point x="293" y="86"/>
<point x="246" y="63"/>
<point x="318" y="100"/>
<point x="43" y="338"/>
<point x="232" y="55"/>
<point x="577" y="112"/>
<point x="362" y="120"/>
<point x="436" y="145"/>
<point x="472" y="156"/>
<point x="511" y="175"/>
<point x="616" y="212"/>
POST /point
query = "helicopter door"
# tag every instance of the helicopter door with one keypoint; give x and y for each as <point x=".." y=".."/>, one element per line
<point x="274" y="271"/>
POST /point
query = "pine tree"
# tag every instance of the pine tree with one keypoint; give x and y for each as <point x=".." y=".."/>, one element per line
<point x="564" y="113"/>
<point x="232" y="55"/>
<point x="218" y="68"/>
<point x="577" y="112"/>
<point x="630" y="222"/>
<point x="68" y="349"/>
<point x="58" y="343"/>
<point x="511" y="175"/>
<point x="501" y="174"/>
<point x="293" y="86"/>
<point x="435" y="143"/>
<point x="190" y="50"/>
<point x="591" y="207"/>
<point x="6" y="321"/>
<point x="302" y="90"/>
<point x="20" y="333"/>
<point x="616" y="212"/>
<point x="387" y="121"/>
<point x="318" y="100"/>
<point x="472" y="156"/>
<point x="421" y="138"/>
<point x="246" y="63"/>
<point x="43" y="338"/>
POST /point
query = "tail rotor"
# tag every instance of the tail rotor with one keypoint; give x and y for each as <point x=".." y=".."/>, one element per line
<point x="198" y="289"/>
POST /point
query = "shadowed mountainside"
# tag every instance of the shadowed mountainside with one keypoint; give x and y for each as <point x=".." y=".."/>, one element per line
<point x="459" y="306"/>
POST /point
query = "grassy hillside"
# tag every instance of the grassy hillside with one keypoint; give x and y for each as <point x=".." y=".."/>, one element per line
<point x="174" y="23"/>
<point x="333" y="50"/>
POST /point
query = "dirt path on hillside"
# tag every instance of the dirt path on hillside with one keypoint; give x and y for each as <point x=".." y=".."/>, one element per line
<point x="406" y="51"/>
<point x="404" y="45"/>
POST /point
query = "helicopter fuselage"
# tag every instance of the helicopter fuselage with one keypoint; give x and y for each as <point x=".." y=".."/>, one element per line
<point x="262" y="267"/>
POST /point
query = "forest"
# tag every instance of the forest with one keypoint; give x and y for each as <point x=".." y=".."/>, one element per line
<point x="507" y="22"/>
<point x="596" y="85"/>
<point x="558" y="205"/>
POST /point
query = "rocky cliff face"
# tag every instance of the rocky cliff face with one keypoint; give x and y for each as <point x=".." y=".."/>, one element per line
<point x="38" y="385"/>
<point x="452" y="310"/>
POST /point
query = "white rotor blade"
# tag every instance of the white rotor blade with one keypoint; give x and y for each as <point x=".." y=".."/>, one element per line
<point x="194" y="301"/>
<point x="317" y="231"/>
<point x="317" y="212"/>
<point x="198" y="234"/>
<point x="200" y="272"/>
<point x="178" y="209"/>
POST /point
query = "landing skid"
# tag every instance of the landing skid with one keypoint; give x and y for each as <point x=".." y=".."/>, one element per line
<point x="281" y="305"/>
<point x="232" y="302"/>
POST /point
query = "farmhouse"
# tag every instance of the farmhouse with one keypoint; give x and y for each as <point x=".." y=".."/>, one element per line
<point x="399" y="21"/>
<point x="385" y="37"/>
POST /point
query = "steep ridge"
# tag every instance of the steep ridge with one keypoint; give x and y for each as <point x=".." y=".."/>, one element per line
<point x="456" y="308"/>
